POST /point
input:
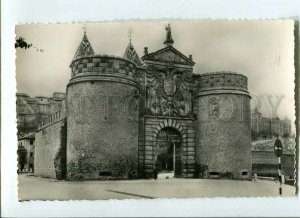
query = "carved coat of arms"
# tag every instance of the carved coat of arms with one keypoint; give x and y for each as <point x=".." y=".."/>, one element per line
<point x="168" y="94"/>
<point x="214" y="107"/>
<point x="169" y="86"/>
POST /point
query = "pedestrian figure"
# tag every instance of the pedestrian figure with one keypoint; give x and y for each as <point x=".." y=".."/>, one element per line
<point x="255" y="177"/>
<point x="155" y="172"/>
<point x="31" y="163"/>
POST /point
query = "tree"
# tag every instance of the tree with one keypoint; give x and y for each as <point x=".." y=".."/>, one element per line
<point x="21" y="43"/>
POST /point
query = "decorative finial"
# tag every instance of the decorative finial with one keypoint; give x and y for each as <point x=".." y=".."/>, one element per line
<point x="129" y="35"/>
<point x="169" y="41"/>
<point x="145" y="50"/>
<point x="84" y="29"/>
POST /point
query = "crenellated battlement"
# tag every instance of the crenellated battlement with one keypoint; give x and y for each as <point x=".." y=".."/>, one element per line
<point x="53" y="118"/>
<point x="221" y="80"/>
<point x="104" y="68"/>
<point x="102" y="64"/>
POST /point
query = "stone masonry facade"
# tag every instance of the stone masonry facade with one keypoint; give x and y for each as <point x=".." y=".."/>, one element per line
<point x="127" y="117"/>
<point x="50" y="154"/>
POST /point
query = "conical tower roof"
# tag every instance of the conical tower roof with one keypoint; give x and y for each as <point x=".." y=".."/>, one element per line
<point x="84" y="49"/>
<point x="131" y="54"/>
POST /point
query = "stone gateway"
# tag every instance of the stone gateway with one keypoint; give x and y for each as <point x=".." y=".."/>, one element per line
<point x="127" y="117"/>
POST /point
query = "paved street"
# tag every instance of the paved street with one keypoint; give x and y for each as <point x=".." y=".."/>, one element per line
<point x="34" y="188"/>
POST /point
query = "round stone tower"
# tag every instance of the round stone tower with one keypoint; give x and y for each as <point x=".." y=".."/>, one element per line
<point x="223" y="125"/>
<point x="102" y="116"/>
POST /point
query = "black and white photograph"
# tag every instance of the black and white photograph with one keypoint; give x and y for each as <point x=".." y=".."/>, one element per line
<point x="155" y="109"/>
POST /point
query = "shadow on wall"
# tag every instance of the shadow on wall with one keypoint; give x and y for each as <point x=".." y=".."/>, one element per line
<point x="60" y="160"/>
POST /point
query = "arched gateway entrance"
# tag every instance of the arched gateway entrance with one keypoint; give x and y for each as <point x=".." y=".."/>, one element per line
<point x="168" y="151"/>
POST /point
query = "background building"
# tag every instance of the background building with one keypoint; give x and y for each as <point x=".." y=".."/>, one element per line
<point x="32" y="110"/>
<point x="268" y="127"/>
<point x="26" y="147"/>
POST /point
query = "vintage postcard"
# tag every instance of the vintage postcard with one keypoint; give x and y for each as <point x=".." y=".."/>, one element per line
<point x="145" y="110"/>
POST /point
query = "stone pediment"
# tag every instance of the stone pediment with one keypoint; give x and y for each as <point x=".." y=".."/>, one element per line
<point x="169" y="54"/>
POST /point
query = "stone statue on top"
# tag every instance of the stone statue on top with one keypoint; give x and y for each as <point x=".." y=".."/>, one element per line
<point x="169" y="41"/>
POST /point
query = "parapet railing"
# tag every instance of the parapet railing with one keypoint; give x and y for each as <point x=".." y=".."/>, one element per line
<point x="52" y="118"/>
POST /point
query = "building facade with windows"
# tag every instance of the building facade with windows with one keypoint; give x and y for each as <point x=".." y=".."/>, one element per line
<point x="31" y="110"/>
<point x="269" y="126"/>
<point x="125" y="117"/>
<point x="26" y="147"/>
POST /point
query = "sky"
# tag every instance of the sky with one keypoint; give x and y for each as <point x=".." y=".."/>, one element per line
<point x="261" y="50"/>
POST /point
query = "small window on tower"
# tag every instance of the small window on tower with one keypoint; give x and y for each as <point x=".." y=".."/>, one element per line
<point x="244" y="173"/>
<point x="214" y="173"/>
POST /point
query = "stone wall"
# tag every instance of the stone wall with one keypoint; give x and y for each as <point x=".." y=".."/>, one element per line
<point x="223" y="125"/>
<point x="265" y="163"/>
<point x="103" y="123"/>
<point x="50" y="148"/>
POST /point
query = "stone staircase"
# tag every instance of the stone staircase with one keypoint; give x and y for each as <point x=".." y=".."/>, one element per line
<point x="165" y="175"/>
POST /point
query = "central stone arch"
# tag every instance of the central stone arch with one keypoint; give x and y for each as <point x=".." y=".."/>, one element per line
<point x="168" y="147"/>
<point x="168" y="151"/>
<point x="168" y="123"/>
<point x="153" y="127"/>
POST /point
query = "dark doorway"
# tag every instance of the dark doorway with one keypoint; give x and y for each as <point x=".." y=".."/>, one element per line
<point x="168" y="141"/>
<point x="22" y="158"/>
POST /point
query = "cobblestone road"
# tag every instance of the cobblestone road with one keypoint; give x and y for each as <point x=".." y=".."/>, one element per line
<point x="34" y="188"/>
